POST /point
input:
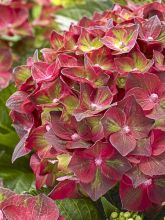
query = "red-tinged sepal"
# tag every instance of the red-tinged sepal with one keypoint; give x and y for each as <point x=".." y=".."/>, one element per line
<point x="87" y="74"/>
<point x="42" y="71"/>
<point x="96" y="168"/>
<point x="20" y="102"/>
<point x="68" y="131"/>
<point x="129" y="201"/>
<point x="161" y="37"/>
<point x="56" y="40"/>
<point x="153" y="166"/>
<point x="61" y="128"/>
<point x="88" y="42"/>
<point x="20" y="149"/>
<point x="92" y="101"/>
<point x="49" y="54"/>
<point x="149" y="92"/>
<point x="65" y="189"/>
<point x="102" y="58"/>
<point x="45" y="169"/>
<point x="114" y="123"/>
<point x="21" y="74"/>
<point x="121" y="39"/>
<point x="91" y="129"/>
<point x="99" y="186"/>
<point x="51" y="94"/>
<point x="143" y="147"/>
<point x="57" y="143"/>
<point x="159" y="60"/>
<point x="135" y="62"/>
<point x="136" y="176"/>
<point x="156" y="191"/>
<point x="70" y="103"/>
<point x="136" y="119"/>
<point x="150" y="29"/>
<point x="16" y="206"/>
<point x="126" y="124"/>
<point x="151" y="9"/>
<point x="71" y="38"/>
<point x="37" y="141"/>
<point x="66" y="60"/>
<point x="158" y="142"/>
<point x="5" y="196"/>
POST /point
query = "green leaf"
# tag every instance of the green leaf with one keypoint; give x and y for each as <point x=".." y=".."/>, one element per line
<point x="5" y="120"/>
<point x="9" y="139"/>
<point x="8" y="136"/>
<point x="78" y="209"/>
<point x="17" y="176"/>
<point x="108" y="207"/>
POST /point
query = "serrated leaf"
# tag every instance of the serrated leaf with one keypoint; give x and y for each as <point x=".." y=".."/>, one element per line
<point x="78" y="209"/>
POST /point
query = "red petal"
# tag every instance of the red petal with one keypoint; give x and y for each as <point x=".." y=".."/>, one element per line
<point x="124" y="143"/>
<point x="99" y="186"/>
<point x="133" y="199"/>
<point x="156" y="191"/>
<point x="63" y="190"/>
<point x="153" y="166"/>
<point x="114" y="119"/>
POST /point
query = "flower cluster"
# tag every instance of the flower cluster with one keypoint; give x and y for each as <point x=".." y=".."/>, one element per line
<point x="17" y="25"/>
<point x="91" y="108"/>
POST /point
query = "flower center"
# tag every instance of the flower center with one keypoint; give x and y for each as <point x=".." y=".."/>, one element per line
<point x="93" y="48"/>
<point x="75" y="137"/>
<point x="148" y="182"/>
<point x="94" y="106"/>
<point x="48" y="127"/>
<point x="52" y="161"/>
<point x="9" y="25"/>
<point x="150" y="38"/>
<point x="55" y="100"/>
<point x="97" y="65"/>
<point x="154" y="97"/>
<point x="134" y="69"/>
<point x="98" y="161"/>
<point x="120" y="45"/>
<point x="126" y="129"/>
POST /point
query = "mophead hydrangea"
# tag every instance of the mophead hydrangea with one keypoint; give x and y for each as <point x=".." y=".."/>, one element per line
<point x="91" y="108"/>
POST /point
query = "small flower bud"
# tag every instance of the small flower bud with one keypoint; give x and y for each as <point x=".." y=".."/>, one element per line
<point x="138" y="218"/>
<point x="127" y="214"/>
<point x="114" y="215"/>
<point x="121" y="213"/>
